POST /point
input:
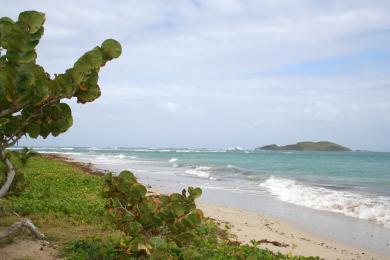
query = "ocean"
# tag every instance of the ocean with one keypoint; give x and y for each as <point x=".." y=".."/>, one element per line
<point x="354" y="184"/>
<point x="342" y="196"/>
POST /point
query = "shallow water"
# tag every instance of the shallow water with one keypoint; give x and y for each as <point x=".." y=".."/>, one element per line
<point x="334" y="190"/>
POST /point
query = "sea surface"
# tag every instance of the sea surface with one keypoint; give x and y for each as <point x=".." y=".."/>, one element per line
<point x="343" y="189"/>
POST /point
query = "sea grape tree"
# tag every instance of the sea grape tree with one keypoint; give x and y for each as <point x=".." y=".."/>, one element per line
<point x="31" y="100"/>
<point x="150" y="222"/>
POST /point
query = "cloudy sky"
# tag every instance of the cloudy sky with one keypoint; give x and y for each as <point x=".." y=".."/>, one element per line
<point x="225" y="73"/>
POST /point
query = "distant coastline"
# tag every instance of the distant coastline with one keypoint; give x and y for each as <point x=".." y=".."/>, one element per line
<point x="307" y="146"/>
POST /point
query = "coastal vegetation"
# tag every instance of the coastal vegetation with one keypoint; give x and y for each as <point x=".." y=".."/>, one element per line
<point x="90" y="215"/>
<point x="307" y="146"/>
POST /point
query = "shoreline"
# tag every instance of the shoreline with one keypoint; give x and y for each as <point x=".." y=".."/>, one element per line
<point x="247" y="225"/>
<point x="273" y="233"/>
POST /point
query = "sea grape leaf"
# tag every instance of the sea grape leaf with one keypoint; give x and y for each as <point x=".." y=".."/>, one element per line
<point x="138" y="189"/>
<point x="111" y="49"/>
<point x="194" y="192"/>
<point x="32" y="20"/>
<point x="33" y="130"/>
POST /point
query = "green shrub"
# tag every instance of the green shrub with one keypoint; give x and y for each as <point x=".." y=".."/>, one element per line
<point x="90" y="248"/>
<point x="151" y="222"/>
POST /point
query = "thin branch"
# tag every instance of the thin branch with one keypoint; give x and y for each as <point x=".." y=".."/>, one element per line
<point x="125" y="209"/>
<point x="19" y="132"/>
<point x="11" y="110"/>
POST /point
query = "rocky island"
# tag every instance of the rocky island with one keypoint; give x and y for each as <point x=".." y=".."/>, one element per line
<point x="307" y="146"/>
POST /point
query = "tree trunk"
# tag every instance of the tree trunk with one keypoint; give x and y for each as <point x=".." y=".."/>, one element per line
<point x="11" y="173"/>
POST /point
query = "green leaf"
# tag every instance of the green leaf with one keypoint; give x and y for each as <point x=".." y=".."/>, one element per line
<point x="3" y="121"/>
<point x="134" y="227"/>
<point x="27" y="57"/>
<point x="91" y="60"/>
<point x="127" y="176"/>
<point x="138" y="189"/>
<point x="111" y="49"/>
<point x="92" y="93"/>
<point x="158" y="242"/>
<point x="33" y="130"/>
<point x="178" y="209"/>
<point x="32" y="20"/>
<point x="194" y="192"/>
<point x="176" y="197"/>
<point x="44" y="131"/>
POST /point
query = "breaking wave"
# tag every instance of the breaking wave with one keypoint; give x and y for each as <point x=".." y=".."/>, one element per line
<point x="201" y="172"/>
<point x="373" y="208"/>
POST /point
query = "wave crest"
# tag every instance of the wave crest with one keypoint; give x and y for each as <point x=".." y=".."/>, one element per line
<point x="201" y="171"/>
<point x="373" y="208"/>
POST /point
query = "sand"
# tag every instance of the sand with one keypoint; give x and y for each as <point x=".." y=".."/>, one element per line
<point x="247" y="225"/>
<point x="28" y="249"/>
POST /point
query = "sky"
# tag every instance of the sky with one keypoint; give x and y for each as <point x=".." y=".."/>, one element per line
<point x="224" y="73"/>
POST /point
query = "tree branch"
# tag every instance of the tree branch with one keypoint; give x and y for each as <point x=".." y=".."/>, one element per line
<point x="125" y="209"/>
<point x="11" y="110"/>
<point x="19" y="132"/>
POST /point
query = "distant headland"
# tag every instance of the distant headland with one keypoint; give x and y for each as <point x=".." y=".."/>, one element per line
<point x="307" y="146"/>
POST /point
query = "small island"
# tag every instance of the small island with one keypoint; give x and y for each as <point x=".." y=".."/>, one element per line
<point x="307" y="146"/>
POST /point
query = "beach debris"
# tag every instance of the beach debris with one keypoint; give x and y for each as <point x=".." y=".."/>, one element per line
<point x="26" y="223"/>
<point x="275" y="243"/>
<point x="234" y="243"/>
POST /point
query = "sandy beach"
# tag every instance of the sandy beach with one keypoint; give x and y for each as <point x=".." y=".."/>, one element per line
<point x="273" y="233"/>
<point x="247" y="225"/>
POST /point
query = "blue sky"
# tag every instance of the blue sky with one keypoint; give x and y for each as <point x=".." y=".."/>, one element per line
<point x="225" y="73"/>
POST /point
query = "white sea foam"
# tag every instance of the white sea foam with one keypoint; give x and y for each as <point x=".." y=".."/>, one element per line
<point x="373" y="208"/>
<point x="55" y="152"/>
<point x="111" y="159"/>
<point x="92" y="148"/>
<point x="173" y="160"/>
<point x="235" y="149"/>
<point x="119" y="156"/>
<point x="201" y="171"/>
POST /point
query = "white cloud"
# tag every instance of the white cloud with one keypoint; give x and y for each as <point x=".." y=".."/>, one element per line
<point x="219" y="66"/>
<point x="170" y="107"/>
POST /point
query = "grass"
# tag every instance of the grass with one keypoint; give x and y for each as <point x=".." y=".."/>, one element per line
<point x="63" y="201"/>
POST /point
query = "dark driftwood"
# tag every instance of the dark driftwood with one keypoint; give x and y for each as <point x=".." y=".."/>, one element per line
<point x="275" y="243"/>
<point x="19" y="226"/>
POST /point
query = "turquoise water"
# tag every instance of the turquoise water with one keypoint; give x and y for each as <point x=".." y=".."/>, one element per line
<point x="356" y="184"/>
<point x="369" y="171"/>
